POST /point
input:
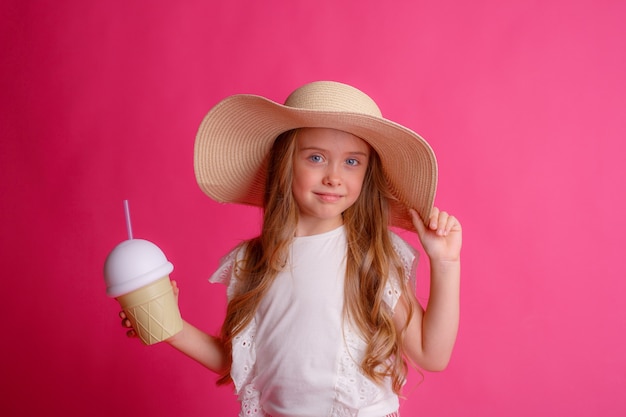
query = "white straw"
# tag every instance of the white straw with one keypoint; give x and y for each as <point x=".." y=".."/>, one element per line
<point x="129" y="228"/>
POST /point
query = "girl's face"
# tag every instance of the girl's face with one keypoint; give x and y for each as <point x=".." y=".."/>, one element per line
<point x="328" y="172"/>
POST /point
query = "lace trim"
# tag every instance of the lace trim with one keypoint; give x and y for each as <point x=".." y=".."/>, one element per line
<point x="250" y="403"/>
<point x="244" y="354"/>
<point x="408" y="258"/>
<point x="352" y="387"/>
<point x="227" y="271"/>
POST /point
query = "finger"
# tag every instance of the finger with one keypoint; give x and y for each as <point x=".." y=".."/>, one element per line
<point x="122" y="314"/>
<point x="418" y="223"/>
<point x="452" y="224"/>
<point x="131" y="333"/>
<point x="442" y="223"/>
<point x="433" y="220"/>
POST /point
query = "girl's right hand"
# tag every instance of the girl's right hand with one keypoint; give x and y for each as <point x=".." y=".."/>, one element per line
<point x="126" y="324"/>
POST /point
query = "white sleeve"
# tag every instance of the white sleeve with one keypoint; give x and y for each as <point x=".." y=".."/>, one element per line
<point x="408" y="258"/>
<point x="226" y="271"/>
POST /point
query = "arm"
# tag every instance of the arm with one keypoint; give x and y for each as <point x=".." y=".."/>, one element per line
<point x="193" y="342"/>
<point x="199" y="346"/>
<point x="430" y="335"/>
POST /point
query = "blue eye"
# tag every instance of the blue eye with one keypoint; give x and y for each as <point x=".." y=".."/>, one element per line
<point x="315" y="158"/>
<point x="352" y="162"/>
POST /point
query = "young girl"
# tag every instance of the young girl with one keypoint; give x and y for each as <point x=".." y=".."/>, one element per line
<point x="322" y="316"/>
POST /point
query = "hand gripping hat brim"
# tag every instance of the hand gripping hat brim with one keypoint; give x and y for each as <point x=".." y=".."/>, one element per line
<point x="235" y="138"/>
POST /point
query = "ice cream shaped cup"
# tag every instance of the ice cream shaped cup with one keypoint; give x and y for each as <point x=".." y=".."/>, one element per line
<point x="136" y="273"/>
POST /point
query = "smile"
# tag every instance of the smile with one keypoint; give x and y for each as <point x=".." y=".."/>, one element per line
<point x="329" y="197"/>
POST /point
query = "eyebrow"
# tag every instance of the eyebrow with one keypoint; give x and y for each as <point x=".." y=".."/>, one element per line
<point x="315" y="148"/>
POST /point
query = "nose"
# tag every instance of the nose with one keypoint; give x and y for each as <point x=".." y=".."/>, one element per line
<point x="332" y="176"/>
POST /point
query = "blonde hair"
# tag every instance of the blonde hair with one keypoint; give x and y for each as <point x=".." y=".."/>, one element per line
<point x="370" y="261"/>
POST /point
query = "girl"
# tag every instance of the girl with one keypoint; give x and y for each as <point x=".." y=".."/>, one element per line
<point x="322" y="316"/>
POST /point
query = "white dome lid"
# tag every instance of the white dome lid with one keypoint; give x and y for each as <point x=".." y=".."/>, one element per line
<point x="133" y="264"/>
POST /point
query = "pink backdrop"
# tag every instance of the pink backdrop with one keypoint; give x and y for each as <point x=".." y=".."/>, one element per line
<point x="523" y="102"/>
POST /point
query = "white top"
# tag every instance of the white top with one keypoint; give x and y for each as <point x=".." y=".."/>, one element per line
<point x="297" y="357"/>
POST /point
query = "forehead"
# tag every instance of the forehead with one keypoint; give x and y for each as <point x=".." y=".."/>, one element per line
<point x="331" y="139"/>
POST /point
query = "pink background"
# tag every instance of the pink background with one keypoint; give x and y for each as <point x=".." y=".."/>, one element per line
<point x="524" y="103"/>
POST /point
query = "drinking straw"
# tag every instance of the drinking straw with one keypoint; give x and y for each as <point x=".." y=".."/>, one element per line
<point x="129" y="228"/>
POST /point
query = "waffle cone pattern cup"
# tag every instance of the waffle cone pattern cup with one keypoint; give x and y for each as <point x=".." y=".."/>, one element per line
<point x="153" y="311"/>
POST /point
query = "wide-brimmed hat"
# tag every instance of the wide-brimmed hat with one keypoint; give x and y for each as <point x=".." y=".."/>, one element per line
<point x="235" y="137"/>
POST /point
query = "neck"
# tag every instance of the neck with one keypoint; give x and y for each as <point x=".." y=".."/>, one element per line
<point x="309" y="228"/>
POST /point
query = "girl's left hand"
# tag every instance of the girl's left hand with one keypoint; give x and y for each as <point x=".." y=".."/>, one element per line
<point x="441" y="238"/>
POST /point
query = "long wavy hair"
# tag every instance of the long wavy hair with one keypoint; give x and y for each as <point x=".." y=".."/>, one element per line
<point x="370" y="261"/>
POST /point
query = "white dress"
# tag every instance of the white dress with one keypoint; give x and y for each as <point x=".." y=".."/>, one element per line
<point x="297" y="357"/>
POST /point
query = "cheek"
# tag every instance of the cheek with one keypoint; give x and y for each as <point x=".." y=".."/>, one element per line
<point x="299" y="185"/>
<point x="356" y="184"/>
<point x="305" y="177"/>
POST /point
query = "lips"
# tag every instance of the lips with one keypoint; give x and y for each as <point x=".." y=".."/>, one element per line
<point x="329" y="197"/>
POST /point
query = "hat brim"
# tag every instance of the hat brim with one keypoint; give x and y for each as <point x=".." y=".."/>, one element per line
<point x="236" y="136"/>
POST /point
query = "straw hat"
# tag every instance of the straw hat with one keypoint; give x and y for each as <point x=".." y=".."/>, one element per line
<point x="235" y="137"/>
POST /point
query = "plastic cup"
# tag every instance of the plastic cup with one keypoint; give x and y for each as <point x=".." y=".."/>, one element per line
<point x="136" y="273"/>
